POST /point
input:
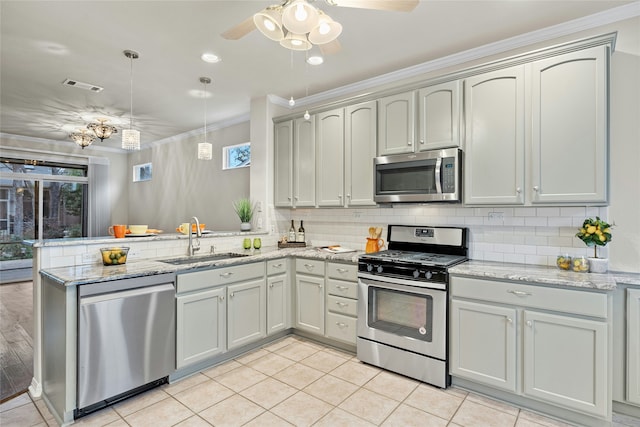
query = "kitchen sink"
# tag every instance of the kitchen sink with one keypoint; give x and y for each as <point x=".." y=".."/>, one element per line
<point x="203" y="258"/>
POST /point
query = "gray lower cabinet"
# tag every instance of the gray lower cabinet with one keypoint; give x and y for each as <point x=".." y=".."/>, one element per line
<point x="342" y="302"/>
<point x="309" y="296"/>
<point x="246" y="312"/>
<point x="278" y="292"/>
<point x="633" y="346"/>
<point x="547" y="344"/>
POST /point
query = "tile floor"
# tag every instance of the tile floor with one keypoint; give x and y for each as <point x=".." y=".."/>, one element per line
<point x="294" y="382"/>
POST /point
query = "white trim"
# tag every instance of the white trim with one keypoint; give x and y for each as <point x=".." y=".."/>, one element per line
<point x="32" y="139"/>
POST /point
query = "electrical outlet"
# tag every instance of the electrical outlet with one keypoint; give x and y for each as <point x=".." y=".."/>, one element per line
<point x="259" y="223"/>
<point x="496" y="217"/>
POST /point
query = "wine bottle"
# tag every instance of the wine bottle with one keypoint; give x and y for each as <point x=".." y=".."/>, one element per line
<point x="292" y="232"/>
<point x="300" y="235"/>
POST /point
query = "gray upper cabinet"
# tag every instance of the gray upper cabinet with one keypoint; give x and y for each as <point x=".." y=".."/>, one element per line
<point x="294" y="163"/>
<point x="330" y="158"/>
<point x="283" y="164"/>
<point x="360" y="149"/>
<point x="439" y="116"/>
<point x="397" y="124"/>
<point x="494" y="108"/>
<point x="570" y="127"/>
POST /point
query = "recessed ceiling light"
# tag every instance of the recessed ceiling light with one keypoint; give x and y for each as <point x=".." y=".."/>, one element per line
<point x="315" y="60"/>
<point x="211" y="58"/>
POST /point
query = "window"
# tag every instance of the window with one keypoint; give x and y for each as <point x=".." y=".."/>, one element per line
<point x="142" y="172"/>
<point x="236" y="156"/>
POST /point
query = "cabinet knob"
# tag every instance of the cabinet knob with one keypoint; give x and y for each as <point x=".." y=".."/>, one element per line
<point x="536" y="188"/>
<point x="519" y="293"/>
<point x="422" y="141"/>
<point x="409" y="143"/>
<point x="319" y="286"/>
<point x="222" y="298"/>
<point x="271" y="285"/>
<point x="529" y="324"/>
<point x="289" y="198"/>
<point x="509" y="320"/>
<point x="296" y="198"/>
<point x="231" y="295"/>
<point x="518" y="190"/>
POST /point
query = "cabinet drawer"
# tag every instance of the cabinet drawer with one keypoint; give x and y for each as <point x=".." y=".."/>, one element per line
<point x="342" y="305"/>
<point x="198" y="280"/>
<point x="341" y="327"/>
<point x="276" y="266"/>
<point x="310" y="266"/>
<point x="342" y="271"/>
<point x="343" y="289"/>
<point x="562" y="300"/>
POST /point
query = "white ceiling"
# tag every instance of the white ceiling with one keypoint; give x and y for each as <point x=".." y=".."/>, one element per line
<point x="45" y="42"/>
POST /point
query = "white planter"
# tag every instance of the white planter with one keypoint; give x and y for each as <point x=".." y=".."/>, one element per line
<point x="245" y="226"/>
<point x="598" y="265"/>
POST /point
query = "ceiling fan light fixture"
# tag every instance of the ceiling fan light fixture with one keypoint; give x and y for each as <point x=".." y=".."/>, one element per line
<point x="326" y="31"/>
<point x="82" y="138"/>
<point x="300" y="17"/>
<point x="296" y="42"/>
<point x="269" y="22"/>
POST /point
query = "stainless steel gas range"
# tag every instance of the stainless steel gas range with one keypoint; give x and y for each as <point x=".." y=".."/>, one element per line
<point x="402" y="301"/>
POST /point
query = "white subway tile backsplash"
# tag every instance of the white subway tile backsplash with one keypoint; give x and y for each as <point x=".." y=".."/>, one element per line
<point x="547" y="212"/>
<point x="517" y="258"/>
<point x="535" y="221"/>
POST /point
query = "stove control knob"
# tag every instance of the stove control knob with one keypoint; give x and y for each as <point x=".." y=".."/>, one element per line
<point x="379" y="270"/>
<point x="428" y="275"/>
<point x="369" y="268"/>
<point x="416" y="274"/>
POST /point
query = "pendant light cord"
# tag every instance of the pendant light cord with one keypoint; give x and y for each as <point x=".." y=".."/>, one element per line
<point x="204" y="95"/>
<point x="131" y="96"/>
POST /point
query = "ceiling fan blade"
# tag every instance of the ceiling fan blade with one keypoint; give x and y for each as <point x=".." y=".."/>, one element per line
<point x="240" y="30"/>
<point x="331" y="47"/>
<point x="392" y="5"/>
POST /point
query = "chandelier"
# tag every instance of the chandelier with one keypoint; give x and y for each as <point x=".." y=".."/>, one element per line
<point x="82" y="138"/>
<point x="297" y="25"/>
<point x="131" y="137"/>
<point x="102" y="130"/>
<point x="205" y="149"/>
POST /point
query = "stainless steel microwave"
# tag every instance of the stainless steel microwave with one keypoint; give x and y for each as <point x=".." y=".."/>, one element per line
<point x="428" y="176"/>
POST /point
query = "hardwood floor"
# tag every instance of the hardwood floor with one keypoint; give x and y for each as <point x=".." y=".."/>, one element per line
<point x="16" y="338"/>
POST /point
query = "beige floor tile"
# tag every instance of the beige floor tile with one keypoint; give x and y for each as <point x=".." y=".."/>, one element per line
<point x="340" y="418"/>
<point x="276" y="345"/>
<point x="20" y="400"/>
<point x="396" y="387"/>
<point x="434" y="401"/>
<point x="297" y="351"/>
<point x="167" y="412"/>
<point x="471" y="414"/>
<point x="267" y="419"/>
<point x="542" y="420"/>
<point x="117" y="423"/>
<point x="44" y="411"/>
<point x="331" y="389"/>
<point x="194" y="421"/>
<point x="500" y="406"/>
<point x="323" y="361"/>
<point x="203" y="395"/>
<point x="271" y="364"/>
<point x="298" y="376"/>
<point x="368" y="405"/>
<point x="340" y="353"/>
<point x="20" y="416"/>
<point x="131" y="405"/>
<point x="184" y="384"/>
<point x="269" y="392"/>
<point x="251" y="356"/>
<point x="302" y="409"/>
<point x="100" y="418"/>
<point x="233" y="411"/>
<point x="408" y="416"/>
<point x="455" y="391"/>
<point x="222" y="368"/>
<point x="523" y="422"/>
<point x="355" y="372"/>
<point x="240" y="378"/>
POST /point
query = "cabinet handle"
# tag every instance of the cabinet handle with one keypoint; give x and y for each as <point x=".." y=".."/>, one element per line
<point x="226" y="275"/>
<point x="271" y="285"/>
<point x="509" y="320"/>
<point x="342" y="270"/>
<point x="341" y="325"/>
<point x="277" y="265"/>
<point x="308" y="266"/>
<point x="529" y="323"/>
<point x="340" y="197"/>
<point x="296" y="198"/>
<point x="289" y="198"/>
<point x="519" y="293"/>
<point x="536" y="188"/>
<point x="342" y="304"/>
<point x="342" y="288"/>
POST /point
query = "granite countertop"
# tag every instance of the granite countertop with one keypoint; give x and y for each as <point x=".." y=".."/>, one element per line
<point x="96" y="273"/>
<point x="543" y="275"/>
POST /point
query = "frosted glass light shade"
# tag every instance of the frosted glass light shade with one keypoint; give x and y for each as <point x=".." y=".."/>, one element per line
<point x="205" y="151"/>
<point x="299" y="17"/>
<point x="269" y="22"/>
<point x="326" y="31"/>
<point x="130" y="139"/>
<point x="296" y="42"/>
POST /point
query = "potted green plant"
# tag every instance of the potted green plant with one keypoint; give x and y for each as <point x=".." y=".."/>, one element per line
<point x="245" y="209"/>
<point x="596" y="232"/>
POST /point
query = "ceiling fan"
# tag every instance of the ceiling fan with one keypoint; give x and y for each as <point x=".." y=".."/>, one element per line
<point x="298" y="25"/>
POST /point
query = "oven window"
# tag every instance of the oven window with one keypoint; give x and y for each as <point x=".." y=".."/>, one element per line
<point x="401" y="313"/>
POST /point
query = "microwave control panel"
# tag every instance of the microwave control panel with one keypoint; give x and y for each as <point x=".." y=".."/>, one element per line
<point x="449" y="175"/>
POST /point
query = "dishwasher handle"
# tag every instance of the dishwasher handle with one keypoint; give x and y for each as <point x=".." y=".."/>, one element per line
<point x="93" y="299"/>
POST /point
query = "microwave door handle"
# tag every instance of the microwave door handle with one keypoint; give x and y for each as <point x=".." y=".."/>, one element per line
<point x="438" y="182"/>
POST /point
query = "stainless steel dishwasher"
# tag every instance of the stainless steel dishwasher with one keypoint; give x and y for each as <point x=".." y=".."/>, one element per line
<point x="126" y="339"/>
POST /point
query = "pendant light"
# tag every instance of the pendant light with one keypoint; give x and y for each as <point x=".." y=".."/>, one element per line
<point x="205" y="149"/>
<point x="82" y="138"/>
<point x="102" y="130"/>
<point x="131" y="137"/>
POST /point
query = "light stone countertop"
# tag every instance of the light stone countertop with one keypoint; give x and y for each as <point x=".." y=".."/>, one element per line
<point x="543" y="275"/>
<point x="86" y="274"/>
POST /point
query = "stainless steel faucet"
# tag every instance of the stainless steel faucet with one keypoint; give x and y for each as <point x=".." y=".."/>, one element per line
<point x="194" y="246"/>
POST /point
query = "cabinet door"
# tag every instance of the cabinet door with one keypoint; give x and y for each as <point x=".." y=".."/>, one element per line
<point x="360" y="149"/>
<point x="494" y="140"/>
<point x="439" y="116"/>
<point x="565" y="361"/>
<point x="304" y="177"/>
<point x="310" y="304"/>
<point x="283" y="164"/>
<point x="396" y="124"/>
<point x="330" y="158"/>
<point x="200" y="326"/>
<point x="246" y="312"/>
<point x="569" y="127"/>
<point x="483" y="343"/>
<point x="633" y="346"/>
<point x="277" y="303"/>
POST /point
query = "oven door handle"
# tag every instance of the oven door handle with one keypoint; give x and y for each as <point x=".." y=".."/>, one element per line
<point x="438" y="182"/>
<point x="418" y="287"/>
